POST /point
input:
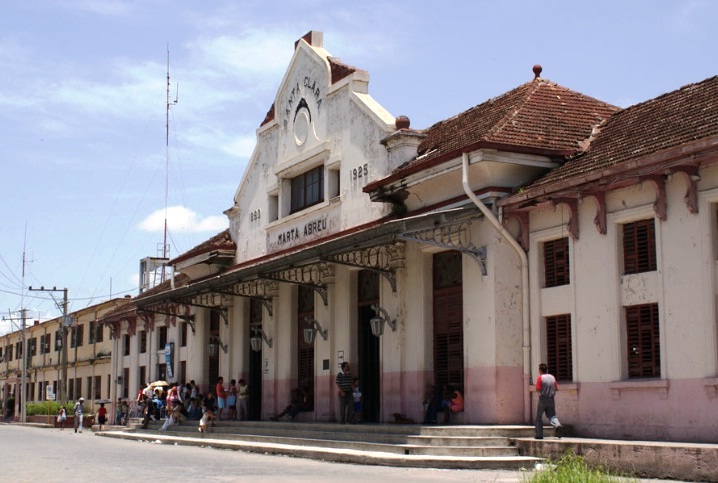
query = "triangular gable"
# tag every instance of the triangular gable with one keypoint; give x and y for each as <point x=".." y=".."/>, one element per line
<point x="324" y="122"/>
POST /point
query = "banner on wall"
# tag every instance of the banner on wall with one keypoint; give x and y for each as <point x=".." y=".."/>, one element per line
<point x="169" y="353"/>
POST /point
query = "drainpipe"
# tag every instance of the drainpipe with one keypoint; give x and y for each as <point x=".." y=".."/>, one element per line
<point x="524" y="280"/>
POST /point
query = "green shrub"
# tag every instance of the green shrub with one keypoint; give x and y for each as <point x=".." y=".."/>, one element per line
<point x="572" y="468"/>
<point x="41" y="408"/>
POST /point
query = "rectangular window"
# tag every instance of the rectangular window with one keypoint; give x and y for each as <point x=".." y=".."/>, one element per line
<point x="98" y="387"/>
<point x="32" y="346"/>
<point x="556" y="263"/>
<point x="184" y="335"/>
<point x="71" y="389"/>
<point x="126" y="382"/>
<point x="308" y="189"/>
<point x="162" y="338"/>
<point x="143" y="342"/>
<point x="639" y="247"/>
<point x="558" y="347"/>
<point x="42" y="344"/>
<point x="78" y="388"/>
<point x="126" y="344"/>
<point x="143" y="376"/>
<point x="58" y="340"/>
<point x="644" y="343"/>
<point x="90" y="387"/>
<point x="99" y="332"/>
<point x="9" y="352"/>
<point x="80" y="334"/>
<point x="92" y="329"/>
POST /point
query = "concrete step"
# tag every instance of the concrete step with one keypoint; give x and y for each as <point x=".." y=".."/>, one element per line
<point x="399" y="445"/>
<point x="341" y="454"/>
<point x="454" y="441"/>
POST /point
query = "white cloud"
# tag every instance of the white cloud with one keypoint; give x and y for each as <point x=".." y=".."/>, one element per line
<point x="182" y="219"/>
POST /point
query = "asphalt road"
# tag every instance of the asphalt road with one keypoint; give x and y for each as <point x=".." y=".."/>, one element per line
<point x="49" y="455"/>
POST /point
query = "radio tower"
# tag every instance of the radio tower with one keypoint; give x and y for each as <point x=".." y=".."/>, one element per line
<point x="170" y="103"/>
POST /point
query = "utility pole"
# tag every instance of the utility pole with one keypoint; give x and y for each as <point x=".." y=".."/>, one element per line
<point x="23" y="382"/>
<point x="66" y="322"/>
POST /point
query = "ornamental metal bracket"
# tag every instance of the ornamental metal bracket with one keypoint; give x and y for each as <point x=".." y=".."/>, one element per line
<point x="383" y="259"/>
<point x="314" y="276"/>
<point x="258" y="289"/>
<point x="454" y="236"/>
<point x="173" y="310"/>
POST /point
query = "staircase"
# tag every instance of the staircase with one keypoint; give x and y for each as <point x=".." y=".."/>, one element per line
<point x="467" y="447"/>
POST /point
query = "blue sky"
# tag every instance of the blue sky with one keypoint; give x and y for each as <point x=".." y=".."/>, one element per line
<point x="83" y="93"/>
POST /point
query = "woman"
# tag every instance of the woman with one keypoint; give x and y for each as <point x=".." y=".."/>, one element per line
<point x="221" y="394"/>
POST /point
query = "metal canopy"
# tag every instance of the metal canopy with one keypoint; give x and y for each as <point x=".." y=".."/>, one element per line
<point x="171" y="309"/>
<point x="383" y="259"/>
<point x="310" y="265"/>
<point x="257" y="289"/>
<point x="314" y="276"/>
<point x="454" y="235"/>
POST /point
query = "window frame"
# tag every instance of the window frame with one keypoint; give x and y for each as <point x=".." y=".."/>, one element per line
<point x="307" y="189"/>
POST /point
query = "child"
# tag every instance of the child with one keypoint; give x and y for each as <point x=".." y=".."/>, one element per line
<point x="102" y="416"/>
<point x="356" y="394"/>
<point x="207" y="417"/>
<point x="232" y="399"/>
<point x="61" y="418"/>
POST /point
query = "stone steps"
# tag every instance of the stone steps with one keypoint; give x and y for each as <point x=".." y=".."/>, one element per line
<point x="475" y="447"/>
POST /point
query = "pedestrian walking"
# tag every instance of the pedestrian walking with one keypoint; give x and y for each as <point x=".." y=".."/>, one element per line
<point x="61" y="418"/>
<point x="79" y="410"/>
<point x="546" y="387"/>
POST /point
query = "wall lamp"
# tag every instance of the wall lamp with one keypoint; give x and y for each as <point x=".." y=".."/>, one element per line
<point x="215" y="343"/>
<point x="256" y="340"/>
<point x="310" y="332"/>
<point x="377" y="322"/>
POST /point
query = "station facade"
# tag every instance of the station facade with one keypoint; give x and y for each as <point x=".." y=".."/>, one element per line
<point x="540" y="226"/>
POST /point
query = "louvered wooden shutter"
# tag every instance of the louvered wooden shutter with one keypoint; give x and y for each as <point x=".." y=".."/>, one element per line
<point x="448" y="319"/>
<point x="556" y="262"/>
<point x="643" y="337"/>
<point x="559" y="356"/>
<point x="639" y="246"/>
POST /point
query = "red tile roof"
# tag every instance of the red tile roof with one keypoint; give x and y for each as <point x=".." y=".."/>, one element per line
<point x="539" y="116"/>
<point x="687" y="114"/>
<point x="221" y="241"/>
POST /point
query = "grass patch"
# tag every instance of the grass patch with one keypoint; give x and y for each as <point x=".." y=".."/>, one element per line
<point x="572" y="468"/>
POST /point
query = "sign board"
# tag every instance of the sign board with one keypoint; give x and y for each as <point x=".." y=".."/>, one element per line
<point x="50" y="396"/>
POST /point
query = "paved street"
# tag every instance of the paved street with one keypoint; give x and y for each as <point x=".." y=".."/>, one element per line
<point x="49" y="455"/>
<point x="35" y="454"/>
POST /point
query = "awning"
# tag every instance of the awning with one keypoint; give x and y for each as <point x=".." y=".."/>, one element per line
<point x="360" y="246"/>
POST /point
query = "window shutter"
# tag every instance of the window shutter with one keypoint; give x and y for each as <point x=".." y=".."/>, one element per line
<point x="643" y="338"/>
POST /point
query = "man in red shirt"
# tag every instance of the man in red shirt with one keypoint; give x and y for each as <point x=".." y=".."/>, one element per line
<point x="546" y="387"/>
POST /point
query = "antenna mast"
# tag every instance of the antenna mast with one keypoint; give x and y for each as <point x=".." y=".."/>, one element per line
<point x="165" y="248"/>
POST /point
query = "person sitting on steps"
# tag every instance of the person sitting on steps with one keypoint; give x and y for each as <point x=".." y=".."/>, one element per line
<point x="297" y="403"/>
<point x="453" y="403"/>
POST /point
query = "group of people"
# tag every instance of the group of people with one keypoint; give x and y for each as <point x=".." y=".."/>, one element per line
<point x="182" y="402"/>
<point x="177" y="403"/>
<point x="78" y="411"/>
<point x="232" y="400"/>
<point x="451" y="400"/>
